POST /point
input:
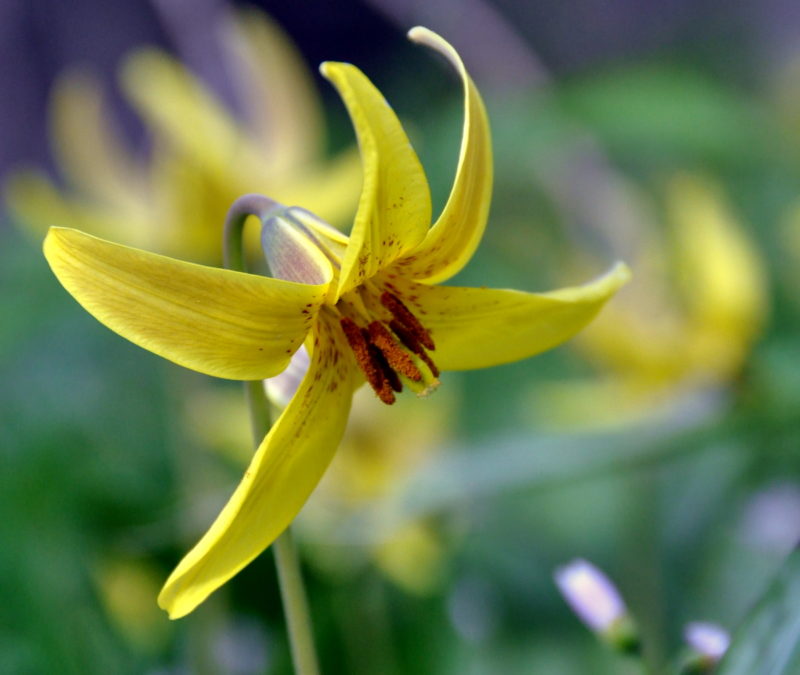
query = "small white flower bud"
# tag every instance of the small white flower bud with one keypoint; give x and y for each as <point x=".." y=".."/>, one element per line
<point x="598" y="604"/>
<point x="590" y="594"/>
<point x="709" y="640"/>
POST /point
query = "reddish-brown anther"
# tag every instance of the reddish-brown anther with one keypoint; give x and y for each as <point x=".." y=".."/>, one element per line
<point x="404" y="315"/>
<point x="396" y="356"/>
<point x="366" y="361"/>
<point x="411" y="342"/>
<point x="391" y="378"/>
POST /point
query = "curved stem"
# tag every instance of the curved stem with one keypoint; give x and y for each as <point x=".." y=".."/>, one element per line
<point x="241" y="209"/>
<point x="293" y="595"/>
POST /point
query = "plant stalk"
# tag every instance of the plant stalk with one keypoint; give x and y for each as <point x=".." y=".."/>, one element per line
<point x="290" y="579"/>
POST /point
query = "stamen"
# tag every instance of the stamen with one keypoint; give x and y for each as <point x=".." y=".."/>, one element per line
<point x="365" y="359"/>
<point x="398" y="359"/>
<point x="391" y="378"/>
<point x="412" y="344"/>
<point x="404" y="316"/>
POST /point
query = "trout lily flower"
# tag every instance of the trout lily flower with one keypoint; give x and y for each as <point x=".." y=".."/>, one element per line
<point x="688" y="325"/>
<point x="173" y="200"/>
<point x="366" y="307"/>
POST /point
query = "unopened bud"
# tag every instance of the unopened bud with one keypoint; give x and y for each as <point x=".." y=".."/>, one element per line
<point x="708" y="643"/>
<point x="596" y="601"/>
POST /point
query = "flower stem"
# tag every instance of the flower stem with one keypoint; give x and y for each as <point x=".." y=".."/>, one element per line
<point x="293" y="595"/>
<point x="290" y="579"/>
<point x="248" y="205"/>
<point x="295" y="605"/>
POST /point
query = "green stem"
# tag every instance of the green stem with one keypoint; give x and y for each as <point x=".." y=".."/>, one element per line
<point x="295" y="604"/>
<point x="241" y="209"/>
<point x="293" y="594"/>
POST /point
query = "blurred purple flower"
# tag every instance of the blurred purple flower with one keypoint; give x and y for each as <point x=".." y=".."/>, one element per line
<point x="771" y="520"/>
<point x="709" y="640"/>
<point x="591" y="595"/>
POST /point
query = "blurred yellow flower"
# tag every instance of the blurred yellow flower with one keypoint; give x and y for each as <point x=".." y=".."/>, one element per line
<point x="367" y="306"/>
<point x="381" y="450"/>
<point x="175" y="201"/>
<point x="689" y="321"/>
<point x="126" y="587"/>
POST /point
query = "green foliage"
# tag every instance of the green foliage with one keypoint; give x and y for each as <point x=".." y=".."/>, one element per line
<point x="768" y="642"/>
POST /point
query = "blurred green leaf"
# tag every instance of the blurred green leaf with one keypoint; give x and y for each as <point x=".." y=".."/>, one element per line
<point x="497" y="465"/>
<point x="668" y="113"/>
<point x="768" y="643"/>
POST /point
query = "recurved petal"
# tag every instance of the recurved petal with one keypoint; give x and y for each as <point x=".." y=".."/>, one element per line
<point x="222" y="323"/>
<point x="330" y="190"/>
<point x="185" y="113"/>
<point x="282" y="105"/>
<point x="481" y="327"/>
<point x="452" y="240"/>
<point x="395" y="207"/>
<point x="284" y="471"/>
<point x="36" y="202"/>
<point x="721" y="271"/>
<point x="87" y="144"/>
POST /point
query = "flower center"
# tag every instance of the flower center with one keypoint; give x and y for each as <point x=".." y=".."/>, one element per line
<point x="389" y="343"/>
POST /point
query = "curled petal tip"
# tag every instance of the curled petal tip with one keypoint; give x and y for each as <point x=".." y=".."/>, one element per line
<point x="621" y="272"/>
<point x="418" y="33"/>
<point x="425" y="36"/>
<point x="324" y="68"/>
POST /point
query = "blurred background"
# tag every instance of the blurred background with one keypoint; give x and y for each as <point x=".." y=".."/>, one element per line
<point x="662" y="444"/>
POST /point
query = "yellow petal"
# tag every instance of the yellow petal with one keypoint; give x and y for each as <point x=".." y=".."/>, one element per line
<point x="189" y="203"/>
<point x="87" y="145"/>
<point x="413" y="557"/>
<point x="395" y="207"/>
<point x="454" y="237"/>
<point x="481" y="327"/>
<point x="222" y="323"/>
<point x="330" y="190"/>
<point x="723" y="276"/>
<point x="188" y="115"/>
<point x="33" y="200"/>
<point x="282" y="105"/>
<point x="284" y="471"/>
<point x="37" y="203"/>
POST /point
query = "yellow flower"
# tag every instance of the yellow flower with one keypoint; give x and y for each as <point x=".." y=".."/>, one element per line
<point x="202" y="158"/>
<point x="382" y="448"/>
<point x="125" y="587"/>
<point x="366" y="306"/>
<point x="688" y="324"/>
